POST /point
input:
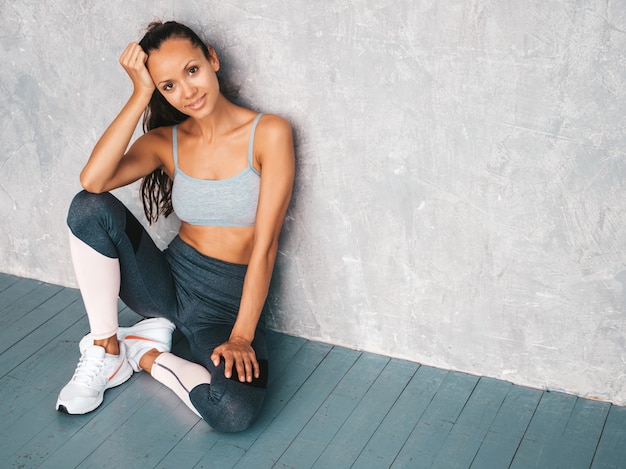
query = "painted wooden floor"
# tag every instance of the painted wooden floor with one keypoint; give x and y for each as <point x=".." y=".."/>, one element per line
<point x="327" y="407"/>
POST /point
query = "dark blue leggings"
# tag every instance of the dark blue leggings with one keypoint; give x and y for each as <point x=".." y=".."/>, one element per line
<point x="198" y="293"/>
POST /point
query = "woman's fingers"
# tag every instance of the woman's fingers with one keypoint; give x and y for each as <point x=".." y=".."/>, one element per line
<point x="133" y="60"/>
<point x="242" y="359"/>
<point x="242" y="368"/>
<point x="244" y="364"/>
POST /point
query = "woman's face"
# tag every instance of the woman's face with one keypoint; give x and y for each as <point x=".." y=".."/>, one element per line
<point x="185" y="77"/>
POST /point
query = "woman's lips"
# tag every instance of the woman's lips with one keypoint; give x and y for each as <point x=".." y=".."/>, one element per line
<point x="197" y="104"/>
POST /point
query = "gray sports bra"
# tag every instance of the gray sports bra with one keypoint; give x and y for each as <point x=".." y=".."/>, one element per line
<point x="223" y="202"/>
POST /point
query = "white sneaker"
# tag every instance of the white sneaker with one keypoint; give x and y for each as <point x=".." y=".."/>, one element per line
<point x="96" y="372"/>
<point x="144" y="336"/>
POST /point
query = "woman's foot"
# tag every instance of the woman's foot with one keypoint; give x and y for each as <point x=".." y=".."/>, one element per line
<point x="148" y="358"/>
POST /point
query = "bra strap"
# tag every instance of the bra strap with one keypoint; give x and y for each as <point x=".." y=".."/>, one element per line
<point x="251" y="144"/>
<point x="175" y="145"/>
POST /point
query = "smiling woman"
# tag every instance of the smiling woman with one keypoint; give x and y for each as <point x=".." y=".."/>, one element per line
<point x="228" y="173"/>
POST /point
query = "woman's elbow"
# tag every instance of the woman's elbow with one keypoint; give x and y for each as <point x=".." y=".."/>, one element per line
<point x="90" y="185"/>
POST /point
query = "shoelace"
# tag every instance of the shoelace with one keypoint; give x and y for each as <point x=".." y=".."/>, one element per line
<point x="88" y="369"/>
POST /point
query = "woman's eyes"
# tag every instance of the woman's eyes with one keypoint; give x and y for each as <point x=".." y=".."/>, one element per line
<point x="190" y="71"/>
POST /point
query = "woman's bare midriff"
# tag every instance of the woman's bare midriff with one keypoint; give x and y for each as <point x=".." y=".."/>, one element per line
<point x="228" y="243"/>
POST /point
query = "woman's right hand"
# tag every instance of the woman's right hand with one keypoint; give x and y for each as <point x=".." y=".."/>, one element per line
<point x="134" y="59"/>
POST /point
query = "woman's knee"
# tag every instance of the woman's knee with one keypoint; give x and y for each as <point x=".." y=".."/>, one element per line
<point x="86" y="206"/>
<point x="89" y="215"/>
<point x="231" y="411"/>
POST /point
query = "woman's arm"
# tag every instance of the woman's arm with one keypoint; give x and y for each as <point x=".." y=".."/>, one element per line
<point x="276" y="156"/>
<point x="108" y="166"/>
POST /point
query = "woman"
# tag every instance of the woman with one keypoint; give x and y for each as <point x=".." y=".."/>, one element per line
<point x="227" y="172"/>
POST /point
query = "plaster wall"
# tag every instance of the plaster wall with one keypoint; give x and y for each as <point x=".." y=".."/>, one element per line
<point x="460" y="167"/>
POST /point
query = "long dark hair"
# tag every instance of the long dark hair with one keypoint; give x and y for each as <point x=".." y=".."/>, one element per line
<point x="156" y="188"/>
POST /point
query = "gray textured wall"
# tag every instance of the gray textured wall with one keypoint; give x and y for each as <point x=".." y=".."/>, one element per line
<point x="460" y="189"/>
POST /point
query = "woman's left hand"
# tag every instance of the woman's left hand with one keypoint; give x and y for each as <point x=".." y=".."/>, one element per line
<point x="237" y="352"/>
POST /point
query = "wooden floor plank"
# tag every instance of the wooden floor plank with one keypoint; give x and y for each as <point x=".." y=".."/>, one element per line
<point x="544" y="431"/>
<point x="32" y="357"/>
<point x="508" y="428"/>
<point x="222" y="456"/>
<point x="23" y="308"/>
<point x="148" y="443"/>
<point x="329" y="418"/>
<point x="484" y="404"/>
<point x="363" y="422"/>
<point x="394" y="431"/>
<point x="49" y="430"/>
<point x="462" y="444"/>
<point x="434" y="427"/>
<point x="611" y="450"/>
<point x="564" y="440"/>
<point x="191" y="448"/>
<point x="6" y="281"/>
<point x="577" y="445"/>
<point x="23" y="338"/>
<point x="16" y="292"/>
<point x="17" y="400"/>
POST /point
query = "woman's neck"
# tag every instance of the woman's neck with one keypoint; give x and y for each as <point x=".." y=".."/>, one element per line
<point x="224" y="117"/>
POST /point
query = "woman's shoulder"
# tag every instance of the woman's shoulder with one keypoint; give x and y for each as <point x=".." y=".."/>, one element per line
<point x="271" y="127"/>
<point x="273" y="120"/>
<point x="273" y="140"/>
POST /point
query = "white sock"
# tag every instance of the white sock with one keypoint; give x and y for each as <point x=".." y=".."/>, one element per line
<point x="180" y="375"/>
<point x="99" y="282"/>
